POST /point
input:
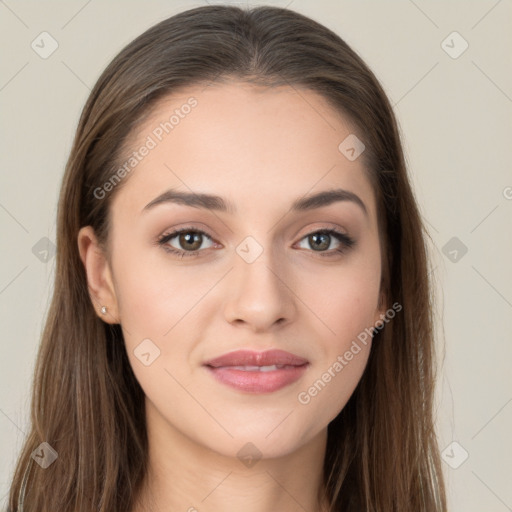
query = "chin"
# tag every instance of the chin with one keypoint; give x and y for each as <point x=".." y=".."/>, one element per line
<point x="258" y="441"/>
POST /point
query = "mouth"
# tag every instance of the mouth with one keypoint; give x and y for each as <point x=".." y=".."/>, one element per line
<point x="257" y="372"/>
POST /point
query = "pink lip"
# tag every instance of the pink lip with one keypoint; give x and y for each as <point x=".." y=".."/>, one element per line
<point x="251" y="358"/>
<point x="291" y="368"/>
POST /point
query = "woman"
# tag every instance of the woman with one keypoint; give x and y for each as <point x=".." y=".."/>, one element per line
<point x="242" y="317"/>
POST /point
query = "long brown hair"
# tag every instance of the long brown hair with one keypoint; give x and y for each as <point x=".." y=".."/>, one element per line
<point x="382" y="452"/>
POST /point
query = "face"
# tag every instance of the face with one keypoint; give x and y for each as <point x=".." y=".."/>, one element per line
<point x="265" y="273"/>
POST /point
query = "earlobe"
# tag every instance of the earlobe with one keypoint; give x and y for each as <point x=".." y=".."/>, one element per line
<point x="99" y="276"/>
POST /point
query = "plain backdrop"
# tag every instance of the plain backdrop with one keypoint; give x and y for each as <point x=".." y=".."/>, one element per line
<point x="454" y="105"/>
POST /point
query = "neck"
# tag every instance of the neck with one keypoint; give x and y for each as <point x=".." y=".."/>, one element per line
<point x="185" y="476"/>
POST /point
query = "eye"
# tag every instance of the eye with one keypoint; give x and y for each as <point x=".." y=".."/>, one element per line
<point x="188" y="238"/>
<point x="189" y="241"/>
<point x="323" y="238"/>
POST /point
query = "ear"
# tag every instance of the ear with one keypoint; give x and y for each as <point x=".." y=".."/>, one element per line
<point x="380" y="312"/>
<point x="99" y="275"/>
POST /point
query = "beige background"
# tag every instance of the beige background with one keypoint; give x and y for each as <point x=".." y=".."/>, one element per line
<point x="456" y="119"/>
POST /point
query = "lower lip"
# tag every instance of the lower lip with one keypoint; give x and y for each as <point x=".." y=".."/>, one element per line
<point x="256" y="381"/>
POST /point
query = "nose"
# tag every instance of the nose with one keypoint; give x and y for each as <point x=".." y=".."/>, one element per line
<point x="260" y="295"/>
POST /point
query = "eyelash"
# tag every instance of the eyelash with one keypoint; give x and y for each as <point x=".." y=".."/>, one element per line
<point x="346" y="242"/>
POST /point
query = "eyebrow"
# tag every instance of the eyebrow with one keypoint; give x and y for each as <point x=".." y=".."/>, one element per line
<point x="217" y="203"/>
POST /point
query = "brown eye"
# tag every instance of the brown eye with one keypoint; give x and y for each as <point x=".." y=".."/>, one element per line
<point x="188" y="241"/>
<point x="320" y="241"/>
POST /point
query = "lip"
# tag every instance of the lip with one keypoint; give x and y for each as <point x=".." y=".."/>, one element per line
<point x="253" y="358"/>
<point x="243" y="371"/>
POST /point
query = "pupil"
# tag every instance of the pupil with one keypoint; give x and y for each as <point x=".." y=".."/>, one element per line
<point x="317" y="236"/>
<point x="189" y="239"/>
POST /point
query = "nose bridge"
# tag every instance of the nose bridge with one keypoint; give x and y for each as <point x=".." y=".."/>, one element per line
<point x="261" y="296"/>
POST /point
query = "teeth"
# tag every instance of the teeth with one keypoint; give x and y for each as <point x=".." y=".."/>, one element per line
<point x="270" y="368"/>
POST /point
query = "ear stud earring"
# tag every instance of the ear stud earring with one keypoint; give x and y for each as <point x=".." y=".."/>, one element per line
<point x="104" y="310"/>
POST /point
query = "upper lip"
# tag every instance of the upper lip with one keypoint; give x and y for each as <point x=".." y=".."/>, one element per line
<point x="252" y="358"/>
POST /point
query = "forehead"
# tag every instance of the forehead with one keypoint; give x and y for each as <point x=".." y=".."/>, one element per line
<point x="245" y="142"/>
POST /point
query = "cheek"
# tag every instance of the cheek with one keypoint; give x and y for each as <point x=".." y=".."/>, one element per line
<point x="155" y="310"/>
<point x="152" y="298"/>
<point x="347" y="318"/>
<point x="163" y="304"/>
<point x="325" y="396"/>
<point x="345" y="301"/>
<point x="343" y="351"/>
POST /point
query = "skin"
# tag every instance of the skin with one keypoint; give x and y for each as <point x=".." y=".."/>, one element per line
<point x="260" y="148"/>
